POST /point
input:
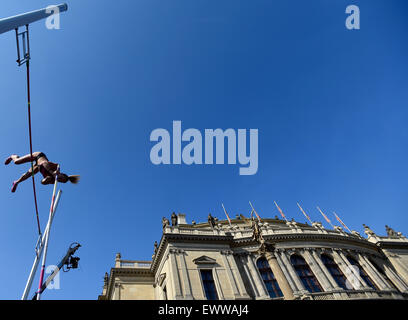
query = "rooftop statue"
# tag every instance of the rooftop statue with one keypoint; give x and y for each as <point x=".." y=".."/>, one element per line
<point x="165" y="222"/>
<point x="173" y="219"/>
<point x="368" y="231"/>
<point x="211" y="220"/>
<point x="257" y="233"/>
<point x="391" y="232"/>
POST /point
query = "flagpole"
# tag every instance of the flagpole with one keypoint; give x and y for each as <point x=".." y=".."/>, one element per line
<point x="325" y="217"/>
<point x="225" y="211"/>
<point x="280" y="211"/>
<point x="253" y="210"/>
<point x="342" y="223"/>
<point x="304" y="213"/>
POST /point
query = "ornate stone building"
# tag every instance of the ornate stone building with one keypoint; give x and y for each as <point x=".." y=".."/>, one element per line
<point x="272" y="259"/>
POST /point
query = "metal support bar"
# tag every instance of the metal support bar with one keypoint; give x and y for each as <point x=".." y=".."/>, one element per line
<point x="25" y="41"/>
<point x="14" y="22"/>
<point x="63" y="261"/>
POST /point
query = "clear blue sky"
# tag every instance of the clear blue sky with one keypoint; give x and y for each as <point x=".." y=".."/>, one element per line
<point x="330" y="105"/>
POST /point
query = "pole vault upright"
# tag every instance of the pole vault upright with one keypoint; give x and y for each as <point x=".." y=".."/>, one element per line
<point x="47" y="236"/>
<point x="40" y="250"/>
<point x="10" y="24"/>
<point x="14" y="22"/>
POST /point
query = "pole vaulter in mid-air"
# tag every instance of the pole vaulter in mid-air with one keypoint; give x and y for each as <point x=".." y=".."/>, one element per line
<point x="39" y="161"/>
<point x="48" y="169"/>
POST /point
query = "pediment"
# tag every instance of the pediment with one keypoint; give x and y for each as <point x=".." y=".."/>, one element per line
<point x="204" y="260"/>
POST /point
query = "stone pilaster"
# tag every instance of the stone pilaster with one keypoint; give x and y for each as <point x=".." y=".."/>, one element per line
<point x="218" y="284"/>
<point x="230" y="275"/>
<point x="364" y="286"/>
<point x="260" y="286"/>
<point x="329" y="277"/>
<point x="244" y="262"/>
<point x="177" y="293"/>
<point x="237" y="276"/>
<point x="116" y="293"/>
<point x="401" y="268"/>
<point x="300" y="287"/>
<point x="373" y="273"/>
<point x="398" y="282"/>
<point x="188" y="295"/>
<point x="317" y="271"/>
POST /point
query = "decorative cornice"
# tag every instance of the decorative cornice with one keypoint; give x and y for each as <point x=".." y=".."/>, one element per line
<point x="276" y="238"/>
<point x="241" y="242"/>
<point x="146" y="273"/>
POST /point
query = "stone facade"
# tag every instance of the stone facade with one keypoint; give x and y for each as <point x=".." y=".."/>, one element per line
<point x="231" y="255"/>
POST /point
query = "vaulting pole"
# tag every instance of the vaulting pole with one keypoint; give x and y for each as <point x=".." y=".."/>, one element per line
<point x="40" y="250"/>
<point x="46" y="239"/>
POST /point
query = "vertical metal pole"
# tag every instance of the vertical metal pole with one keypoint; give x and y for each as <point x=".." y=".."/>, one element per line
<point x="18" y="48"/>
<point x="40" y="250"/>
<point x="28" y="43"/>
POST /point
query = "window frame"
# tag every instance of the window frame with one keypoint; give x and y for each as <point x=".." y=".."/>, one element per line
<point x="273" y="281"/>
<point x="341" y="275"/>
<point x="362" y="273"/>
<point x="214" y="279"/>
<point x="308" y="281"/>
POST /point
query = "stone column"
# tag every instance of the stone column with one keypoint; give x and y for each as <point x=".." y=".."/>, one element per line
<point x="317" y="271"/>
<point x="329" y="277"/>
<point x="231" y="278"/>
<point x="364" y="286"/>
<point x="184" y="273"/>
<point x="177" y="294"/>
<point x="279" y="276"/>
<point x="263" y="293"/>
<point x="377" y="277"/>
<point x="301" y="288"/>
<point x="286" y="273"/>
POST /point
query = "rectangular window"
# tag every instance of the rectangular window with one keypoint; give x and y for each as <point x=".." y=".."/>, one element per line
<point x="209" y="284"/>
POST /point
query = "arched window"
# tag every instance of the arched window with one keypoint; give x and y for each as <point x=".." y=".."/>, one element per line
<point x="382" y="272"/>
<point x="334" y="270"/>
<point x="305" y="274"/>
<point x="363" y="274"/>
<point x="268" y="278"/>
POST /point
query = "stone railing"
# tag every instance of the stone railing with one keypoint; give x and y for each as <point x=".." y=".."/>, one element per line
<point x="135" y="264"/>
<point x="239" y="232"/>
<point x="351" y="294"/>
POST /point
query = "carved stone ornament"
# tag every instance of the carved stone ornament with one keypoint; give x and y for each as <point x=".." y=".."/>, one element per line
<point x="165" y="222"/>
<point x="173" y="219"/>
